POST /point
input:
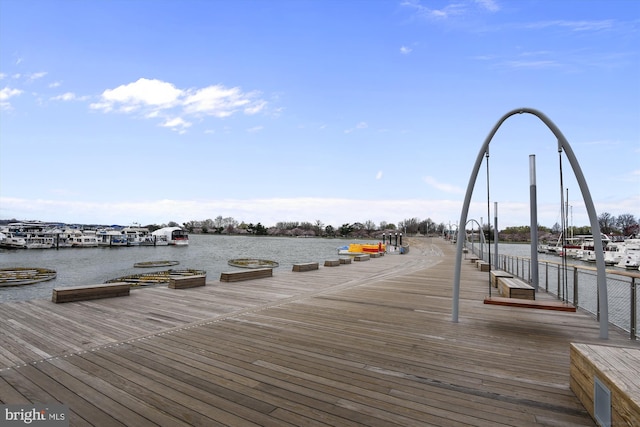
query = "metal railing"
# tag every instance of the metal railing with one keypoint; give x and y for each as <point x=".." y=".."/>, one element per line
<point x="577" y="284"/>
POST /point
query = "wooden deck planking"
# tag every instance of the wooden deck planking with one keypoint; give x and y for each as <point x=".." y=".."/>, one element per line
<point x="365" y="344"/>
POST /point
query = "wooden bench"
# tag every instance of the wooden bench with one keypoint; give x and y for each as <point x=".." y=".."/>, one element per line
<point x="345" y="260"/>
<point x="614" y="398"/>
<point x="308" y="266"/>
<point x="375" y="255"/>
<point x="82" y="293"/>
<point x="473" y="258"/>
<point x="510" y="287"/>
<point x="483" y="266"/>
<point x="332" y="263"/>
<point x="496" y="274"/>
<point x="184" y="282"/>
<point x="363" y="257"/>
<point x="237" y="276"/>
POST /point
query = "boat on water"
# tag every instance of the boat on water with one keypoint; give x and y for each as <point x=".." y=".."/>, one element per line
<point x="9" y="241"/>
<point x="172" y="236"/>
<point x="630" y="259"/>
<point x="362" y="248"/>
<point x="110" y="237"/>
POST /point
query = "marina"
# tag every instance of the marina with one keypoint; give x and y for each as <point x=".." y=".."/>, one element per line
<point x="368" y="343"/>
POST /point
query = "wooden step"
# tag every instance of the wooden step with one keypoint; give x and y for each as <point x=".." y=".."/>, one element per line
<point x="237" y="276"/>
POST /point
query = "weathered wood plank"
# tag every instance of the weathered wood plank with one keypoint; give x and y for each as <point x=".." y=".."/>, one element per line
<point x="618" y="369"/>
<point x="237" y="276"/>
<point x="186" y="282"/>
<point x="496" y="274"/>
<point x="528" y="303"/>
<point x="83" y="293"/>
<point x="511" y="287"/>
<point x="308" y="266"/>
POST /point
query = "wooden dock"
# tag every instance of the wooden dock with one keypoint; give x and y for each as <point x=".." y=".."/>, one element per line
<point x="369" y="343"/>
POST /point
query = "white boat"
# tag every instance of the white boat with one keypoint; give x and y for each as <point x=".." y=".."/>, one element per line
<point x="631" y="258"/>
<point x="578" y="246"/>
<point x="40" y="241"/>
<point x="172" y="235"/>
<point x="613" y="253"/>
<point x="9" y="241"/>
<point x="84" y="241"/>
<point x="137" y="235"/>
<point x="111" y="237"/>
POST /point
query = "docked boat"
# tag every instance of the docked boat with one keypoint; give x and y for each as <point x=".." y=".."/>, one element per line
<point x="111" y="237"/>
<point x="362" y="248"/>
<point x="630" y="259"/>
<point x="84" y="241"/>
<point x="172" y="236"/>
<point x="137" y="235"/>
<point x="9" y="241"/>
<point x="40" y="241"/>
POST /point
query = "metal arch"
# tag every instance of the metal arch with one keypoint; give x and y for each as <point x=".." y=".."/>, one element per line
<point x="586" y="195"/>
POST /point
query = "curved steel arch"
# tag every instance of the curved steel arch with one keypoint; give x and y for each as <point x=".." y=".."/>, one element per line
<point x="586" y="195"/>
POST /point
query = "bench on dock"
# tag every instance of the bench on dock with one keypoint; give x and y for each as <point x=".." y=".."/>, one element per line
<point x="332" y="263"/>
<point x="345" y="260"/>
<point x="307" y="266"/>
<point x="511" y="287"/>
<point x="496" y="274"/>
<point x="375" y="254"/>
<point x="184" y="282"/>
<point x="527" y="303"/>
<point x="238" y="276"/>
<point x="483" y="265"/>
<point x="362" y="257"/>
<point x="473" y="258"/>
<point x="606" y="381"/>
<point x="88" y="292"/>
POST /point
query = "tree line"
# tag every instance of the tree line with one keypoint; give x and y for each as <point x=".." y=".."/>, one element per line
<point x="625" y="225"/>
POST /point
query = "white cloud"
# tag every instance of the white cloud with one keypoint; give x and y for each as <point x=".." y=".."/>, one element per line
<point x="7" y="93"/>
<point x="143" y="92"/>
<point x="152" y="98"/>
<point x="489" y="5"/>
<point x="177" y="124"/>
<point x="255" y="129"/>
<point x="361" y="125"/>
<point x="447" y="188"/>
<point x="69" y="96"/>
<point x="379" y="175"/>
<point x="405" y="50"/>
<point x="36" y="76"/>
<point x="219" y="101"/>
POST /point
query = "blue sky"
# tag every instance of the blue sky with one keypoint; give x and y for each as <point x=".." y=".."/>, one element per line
<point x="116" y="112"/>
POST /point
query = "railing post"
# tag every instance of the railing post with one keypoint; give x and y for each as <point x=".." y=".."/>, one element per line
<point x="633" y="323"/>
<point x="575" y="286"/>
<point x="546" y="276"/>
<point x="559" y="277"/>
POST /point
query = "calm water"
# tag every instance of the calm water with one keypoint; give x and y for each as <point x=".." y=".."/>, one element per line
<point x="205" y="252"/>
